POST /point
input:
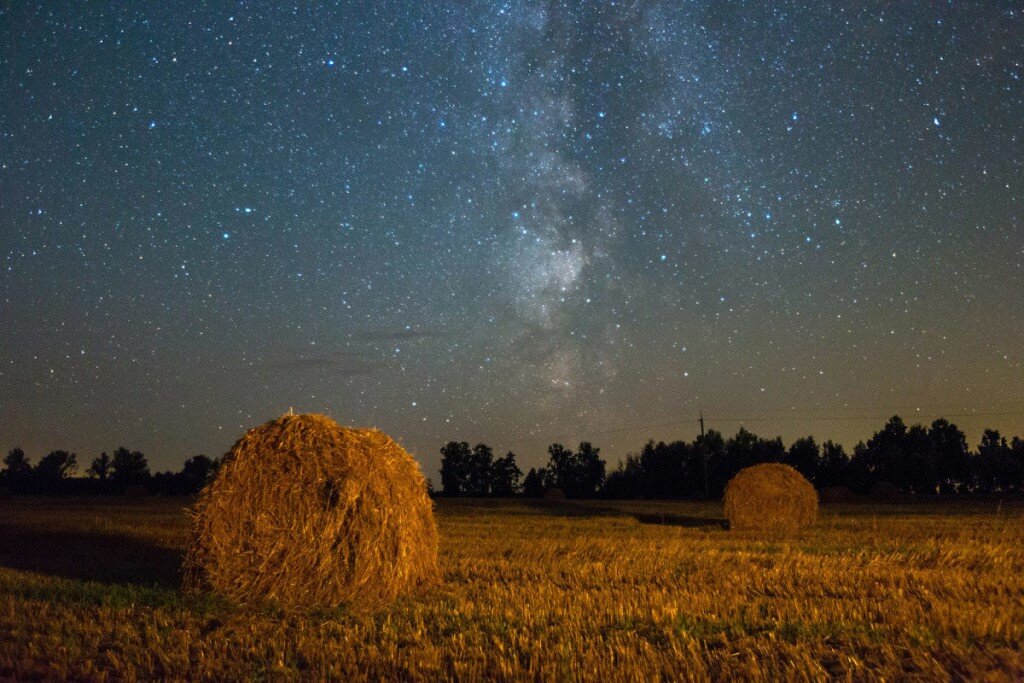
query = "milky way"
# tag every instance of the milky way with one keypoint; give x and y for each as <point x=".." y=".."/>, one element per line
<point x="518" y="222"/>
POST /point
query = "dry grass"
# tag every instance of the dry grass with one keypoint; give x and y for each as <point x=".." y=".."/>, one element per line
<point x="594" y="591"/>
<point x="770" y="497"/>
<point x="308" y="514"/>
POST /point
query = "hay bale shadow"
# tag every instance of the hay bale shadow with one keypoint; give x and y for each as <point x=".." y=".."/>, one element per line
<point x="585" y="508"/>
<point x="571" y="508"/>
<point x="89" y="556"/>
<point x="685" y="521"/>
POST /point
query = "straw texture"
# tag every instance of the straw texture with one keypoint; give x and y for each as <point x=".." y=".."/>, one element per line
<point x="309" y="514"/>
<point x="770" y="497"/>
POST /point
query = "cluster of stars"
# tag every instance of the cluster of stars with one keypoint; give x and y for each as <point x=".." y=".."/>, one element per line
<point x="520" y="222"/>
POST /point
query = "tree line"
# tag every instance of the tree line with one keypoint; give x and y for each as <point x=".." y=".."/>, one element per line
<point x="916" y="460"/>
<point x="126" y="472"/>
<point x="475" y="472"/>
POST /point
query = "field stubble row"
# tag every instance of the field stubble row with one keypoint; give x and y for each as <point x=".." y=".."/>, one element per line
<point x="587" y="591"/>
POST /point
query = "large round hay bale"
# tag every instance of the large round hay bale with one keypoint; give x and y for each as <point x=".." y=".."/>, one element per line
<point x="836" y="494"/>
<point x="309" y="514"/>
<point x="770" y="497"/>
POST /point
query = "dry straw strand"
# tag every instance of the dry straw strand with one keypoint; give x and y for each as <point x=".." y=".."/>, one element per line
<point x="770" y="497"/>
<point x="309" y="514"/>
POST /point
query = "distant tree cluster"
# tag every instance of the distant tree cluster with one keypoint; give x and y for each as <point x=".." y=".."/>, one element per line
<point x="475" y="472"/>
<point x="125" y="472"/>
<point x="914" y="460"/>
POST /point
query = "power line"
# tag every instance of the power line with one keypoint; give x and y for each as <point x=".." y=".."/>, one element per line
<point x="866" y="417"/>
<point x="817" y="418"/>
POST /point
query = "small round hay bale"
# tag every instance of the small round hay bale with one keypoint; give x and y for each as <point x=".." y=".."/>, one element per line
<point x="135" y="491"/>
<point x="836" y="495"/>
<point x="553" y="494"/>
<point x="309" y="514"/>
<point x="770" y="497"/>
<point x="884" y="490"/>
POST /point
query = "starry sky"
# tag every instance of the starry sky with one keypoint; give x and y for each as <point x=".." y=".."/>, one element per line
<point x="514" y="222"/>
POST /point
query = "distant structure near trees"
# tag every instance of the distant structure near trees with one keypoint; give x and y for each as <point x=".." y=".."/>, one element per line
<point x="910" y="460"/>
<point x="916" y="460"/>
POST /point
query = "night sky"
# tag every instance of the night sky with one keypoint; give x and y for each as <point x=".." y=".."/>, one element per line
<point x="512" y="222"/>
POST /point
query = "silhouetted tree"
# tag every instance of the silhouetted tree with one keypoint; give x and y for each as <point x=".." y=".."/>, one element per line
<point x="129" y="468"/>
<point x="805" y="457"/>
<point x="52" y="469"/>
<point x="714" y="455"/>
<point x="17" y="472"/>
<point x="769" y="450"/>
<point x="533" y="483"/>
<point x="740" y="451"/>
<point x="100" y="466"/>
<point x="625" y="480"/>
<point x="674" y="470"/>
<point x="743" y="450"/>
<point x="664" y="470"/>
<point x="505" y="476"/>
<point x="1017" y="463"/>
<point x="481" y="462"/>
<point x="833" y="466"/>
<point x="881" y="459"/>
<point x="591" y="470"/>
<point x="196" y="473"/>
<point x="950" y="455"/>
<point x="579" y="474"/>
<point x="165" y="483"/>
<point x="560" y="469"/>
<point x="916" y="472"/>
<point x="995" y="471"/>
<point x="455" y="457"/>
<point x="915" y="459"/>
<point x="859" y="474"/>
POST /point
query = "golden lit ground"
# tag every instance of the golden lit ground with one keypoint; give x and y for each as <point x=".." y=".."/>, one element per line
<point x="596" y="591"/>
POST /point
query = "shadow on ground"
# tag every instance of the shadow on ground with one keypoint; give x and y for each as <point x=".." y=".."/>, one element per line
<point x="574" y="508"/>
<point x="88" y="556"/>
<point x="688" y="521"/>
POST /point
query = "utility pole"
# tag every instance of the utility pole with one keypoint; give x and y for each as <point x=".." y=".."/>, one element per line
<point x="704" y="455"/>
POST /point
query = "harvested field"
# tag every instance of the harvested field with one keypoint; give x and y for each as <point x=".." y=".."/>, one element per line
<point x="594" y="591"/>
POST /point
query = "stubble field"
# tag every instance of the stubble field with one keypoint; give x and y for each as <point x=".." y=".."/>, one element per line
<point x="576" y="591"/>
